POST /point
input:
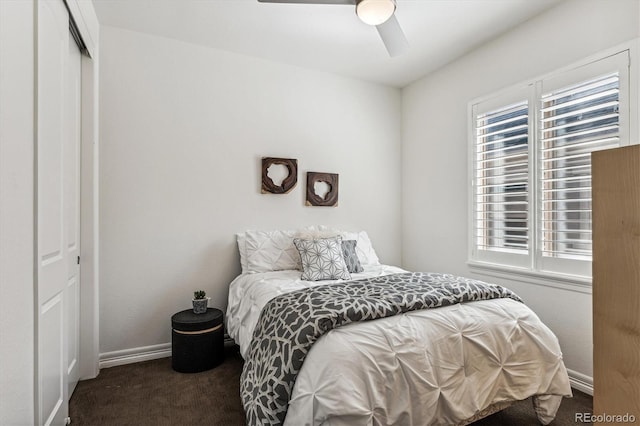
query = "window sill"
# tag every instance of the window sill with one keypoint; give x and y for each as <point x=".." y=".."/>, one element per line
<point x="573" y="283"/>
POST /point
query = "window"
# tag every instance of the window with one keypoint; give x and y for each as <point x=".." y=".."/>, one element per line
<point x="531" y="160"/>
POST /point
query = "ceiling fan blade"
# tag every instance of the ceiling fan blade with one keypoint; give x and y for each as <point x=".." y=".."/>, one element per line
<point x="393" y="37"/>
<point x="349" y="2"/>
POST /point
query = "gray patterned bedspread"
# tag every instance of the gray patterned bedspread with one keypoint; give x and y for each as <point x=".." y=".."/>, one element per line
<point x="290" y="323"/>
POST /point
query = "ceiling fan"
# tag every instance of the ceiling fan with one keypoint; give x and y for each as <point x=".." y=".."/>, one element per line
<point x="379" y="13"/>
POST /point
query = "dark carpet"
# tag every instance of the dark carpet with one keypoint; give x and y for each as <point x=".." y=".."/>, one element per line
<point x="150" y="393"/>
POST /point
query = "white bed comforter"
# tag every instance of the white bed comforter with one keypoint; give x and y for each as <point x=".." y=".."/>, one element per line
<point x="434" y="366"/>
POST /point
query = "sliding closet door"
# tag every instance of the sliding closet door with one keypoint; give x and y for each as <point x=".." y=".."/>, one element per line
<point x="58" y="156"/>
<point x="73" y="114"/>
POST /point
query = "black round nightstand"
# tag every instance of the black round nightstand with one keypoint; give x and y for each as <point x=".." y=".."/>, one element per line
<point x="197" y="340"/>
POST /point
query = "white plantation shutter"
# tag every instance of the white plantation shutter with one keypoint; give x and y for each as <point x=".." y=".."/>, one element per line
<point x="500" y="157"/>
<point x="574" y="122"/>
<point x="502" y="170"/>
<point x="531" y="164"/>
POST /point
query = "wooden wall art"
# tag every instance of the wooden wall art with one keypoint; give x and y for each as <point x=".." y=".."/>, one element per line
<point x="331" y="197"/>
<point x="288" y="183"/>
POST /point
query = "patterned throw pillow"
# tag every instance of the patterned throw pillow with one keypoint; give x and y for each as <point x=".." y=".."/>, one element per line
<point x="350" y="256"/>
<point x="322" y="259"/>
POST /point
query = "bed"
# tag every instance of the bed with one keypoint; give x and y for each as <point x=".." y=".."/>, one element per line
<point x="453" y="363"/>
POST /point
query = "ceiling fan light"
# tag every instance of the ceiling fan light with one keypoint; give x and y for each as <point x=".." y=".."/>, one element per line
<point x="375" y="12"/>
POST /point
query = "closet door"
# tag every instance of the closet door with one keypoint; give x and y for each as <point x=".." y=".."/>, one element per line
<point x="73" y="114"/>
<point x="57" y="211"/>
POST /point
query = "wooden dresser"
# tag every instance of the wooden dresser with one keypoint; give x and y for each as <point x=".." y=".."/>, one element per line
<point x="616" y="282"/>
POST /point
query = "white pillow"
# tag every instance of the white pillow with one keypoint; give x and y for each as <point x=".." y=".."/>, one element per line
<point x="366" y="254"/>
<point x="316" y="232"/>
<point x="242" y="249"/>
<point x="265" y="251"/>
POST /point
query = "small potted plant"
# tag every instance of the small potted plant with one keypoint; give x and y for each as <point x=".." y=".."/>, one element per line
<point x="200" y="301"/>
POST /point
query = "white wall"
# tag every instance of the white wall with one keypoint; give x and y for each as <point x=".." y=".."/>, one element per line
<point x="183" y="129"/>
<point x="435" y="175"/>
<point x="17" y="359"/>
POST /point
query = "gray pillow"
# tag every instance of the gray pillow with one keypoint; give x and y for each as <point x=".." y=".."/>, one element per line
<point x="350" y="256"/>
<point x="322" y="259"/>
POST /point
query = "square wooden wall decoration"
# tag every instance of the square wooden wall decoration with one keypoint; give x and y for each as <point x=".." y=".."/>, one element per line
<point x="330" y="199"/>
<point x="268" y="187"/>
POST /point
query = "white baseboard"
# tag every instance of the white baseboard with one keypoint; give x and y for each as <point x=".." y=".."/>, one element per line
<point x="581" y="382"/>
<point x="578" y="381"/>
<point x="143" y="353"/>
<point x="130" y="356"/>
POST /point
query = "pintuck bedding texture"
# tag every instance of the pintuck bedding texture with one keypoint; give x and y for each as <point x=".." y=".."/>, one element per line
<point x="381" y="346"/>
<point x="417" y="367"/>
